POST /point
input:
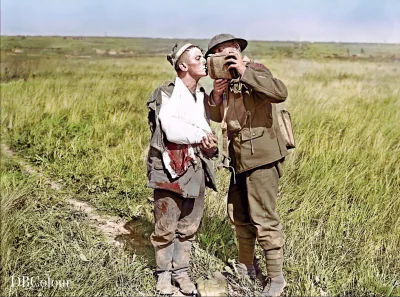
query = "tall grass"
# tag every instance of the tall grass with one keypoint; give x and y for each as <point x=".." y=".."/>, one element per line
<point x="341" y="194"/>
<point x="82" y="122"/>
<point x="42" y="238"/>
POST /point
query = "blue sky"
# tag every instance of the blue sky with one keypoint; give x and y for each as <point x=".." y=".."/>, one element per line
<point x="312" y="20"/>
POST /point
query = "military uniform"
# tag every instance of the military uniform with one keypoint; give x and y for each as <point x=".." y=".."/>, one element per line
<point x="189" y="185"/>
<point x="178" y="202"/>
<point x="256" y="150"/>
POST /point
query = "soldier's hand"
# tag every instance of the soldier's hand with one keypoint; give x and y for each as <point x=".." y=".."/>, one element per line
<point x="209" y="144"/>
<point x="220" y="85"/>
<point x="235" y="61"/>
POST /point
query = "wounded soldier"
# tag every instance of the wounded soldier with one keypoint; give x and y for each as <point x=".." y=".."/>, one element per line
<point x="179" y="165"/>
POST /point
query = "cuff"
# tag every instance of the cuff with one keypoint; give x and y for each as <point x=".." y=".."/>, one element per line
<point x="211" y="101"/>
<point x="247" y="75"/>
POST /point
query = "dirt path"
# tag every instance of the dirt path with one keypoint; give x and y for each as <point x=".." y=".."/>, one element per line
<point x="112" y="227"/>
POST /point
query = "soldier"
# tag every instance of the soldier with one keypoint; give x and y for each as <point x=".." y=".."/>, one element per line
<point x="178" y="173"/>
<point x="256" y="152"/>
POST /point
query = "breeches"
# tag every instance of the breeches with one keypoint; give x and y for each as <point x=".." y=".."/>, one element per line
<point x="176" y="216"/>
<point x="252" y="206"/>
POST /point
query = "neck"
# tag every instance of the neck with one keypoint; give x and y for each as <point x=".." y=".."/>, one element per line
<point x="189" y="82"/>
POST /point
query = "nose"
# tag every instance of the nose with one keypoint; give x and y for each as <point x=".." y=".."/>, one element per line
<point x="203" y="60"/>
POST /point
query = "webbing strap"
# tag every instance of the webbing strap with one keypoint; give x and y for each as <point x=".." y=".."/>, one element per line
<point x="224" y="128"/>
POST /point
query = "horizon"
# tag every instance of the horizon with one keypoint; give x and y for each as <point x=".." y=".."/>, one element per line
<point x="194" y="38"/>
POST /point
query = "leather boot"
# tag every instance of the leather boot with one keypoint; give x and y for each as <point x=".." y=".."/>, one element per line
<point x="244" y="270"/>
<point x="276" y="280"/>
<point x="180" y="260"/>
<point x="163" y="270"/>
<point x="275" y="286"/>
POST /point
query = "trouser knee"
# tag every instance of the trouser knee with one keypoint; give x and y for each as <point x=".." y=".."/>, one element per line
<point x="271" y="240"/>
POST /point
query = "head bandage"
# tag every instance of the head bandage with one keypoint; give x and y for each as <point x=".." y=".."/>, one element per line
<point x="176" y="53"/>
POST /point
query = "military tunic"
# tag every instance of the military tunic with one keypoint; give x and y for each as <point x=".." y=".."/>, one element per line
<point x="257" y="151"/>
<point x="178" y="202"/>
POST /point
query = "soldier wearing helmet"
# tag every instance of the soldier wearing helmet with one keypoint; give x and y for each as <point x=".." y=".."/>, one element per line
<point x="256" y="151"/>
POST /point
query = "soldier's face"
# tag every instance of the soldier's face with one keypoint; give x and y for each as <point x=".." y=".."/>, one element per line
<point x="227" y="47"/>
<point x="196" y="63"/>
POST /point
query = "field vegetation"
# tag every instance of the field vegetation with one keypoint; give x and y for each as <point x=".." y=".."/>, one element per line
<point x="73" y="112"/>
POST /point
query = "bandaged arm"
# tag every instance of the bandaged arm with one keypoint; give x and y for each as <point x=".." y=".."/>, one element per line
<point x="178" y="131"/>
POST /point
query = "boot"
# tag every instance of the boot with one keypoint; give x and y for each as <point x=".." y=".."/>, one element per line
<point x="244" y="270"/>
<point x="274" y="263"/>
<point x="163" y="270"/>
<point x="245" y="267"/>
<point x="275" y="286"/>
<point x="180" y="260"/>
<point x="164" y="286"/>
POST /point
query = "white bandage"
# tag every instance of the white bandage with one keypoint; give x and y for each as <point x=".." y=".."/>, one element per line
<point x="183" y="118"/>
<point x="181" y="51"/>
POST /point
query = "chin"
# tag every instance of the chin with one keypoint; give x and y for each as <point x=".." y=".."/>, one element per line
<point x="204" y="73"/>
<point x="199" y="74"/>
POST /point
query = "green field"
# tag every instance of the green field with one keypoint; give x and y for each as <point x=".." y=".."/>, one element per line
<point x="73" y="112"/>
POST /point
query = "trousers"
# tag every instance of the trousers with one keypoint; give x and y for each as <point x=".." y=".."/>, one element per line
<point x="176" y="217"/>
<point x="252" y="206"/>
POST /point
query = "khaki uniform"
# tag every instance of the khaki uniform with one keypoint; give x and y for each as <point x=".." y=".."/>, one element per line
<point x="187" y="185"/>
<point x="257" y="151"/>
<point x="179" y="203"/>
<point x="179" y="180"/>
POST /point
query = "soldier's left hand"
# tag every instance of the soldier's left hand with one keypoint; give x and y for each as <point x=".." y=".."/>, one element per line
<point x="235" y="61"/>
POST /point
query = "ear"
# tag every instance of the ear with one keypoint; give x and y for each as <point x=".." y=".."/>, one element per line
<point x="183" y="67"/>
<point x="237" y="46"/>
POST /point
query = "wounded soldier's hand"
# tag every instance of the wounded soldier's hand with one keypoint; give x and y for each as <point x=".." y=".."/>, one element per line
<point x="209" y="144"/>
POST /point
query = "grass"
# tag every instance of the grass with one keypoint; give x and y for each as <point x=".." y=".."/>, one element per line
<point x="42" y="238"/>
<point x="82" y="122"/>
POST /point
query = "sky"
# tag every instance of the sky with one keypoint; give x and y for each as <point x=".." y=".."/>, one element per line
<point x="294" y="20"/>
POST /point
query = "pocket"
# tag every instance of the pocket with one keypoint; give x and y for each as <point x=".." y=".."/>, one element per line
<point x="246" y="134"/>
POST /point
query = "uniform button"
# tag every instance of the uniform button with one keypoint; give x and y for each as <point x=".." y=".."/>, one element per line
<point x="254" y="134"/>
